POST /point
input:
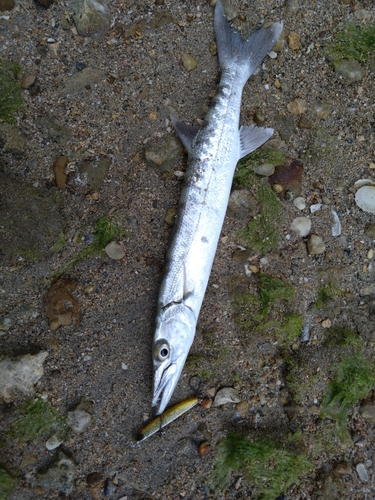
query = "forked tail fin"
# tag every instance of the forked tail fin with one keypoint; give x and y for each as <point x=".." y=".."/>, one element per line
<point x="248" y="53"/>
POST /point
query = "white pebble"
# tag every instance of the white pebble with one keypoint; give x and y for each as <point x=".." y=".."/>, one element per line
<point x="299" y="202"/>
<point x="53" y="442"/>
<point x="301" y="226"/>
<point x="362" y="472"/>
<point x="315" y="208"/>
<point x="365" y="199"/>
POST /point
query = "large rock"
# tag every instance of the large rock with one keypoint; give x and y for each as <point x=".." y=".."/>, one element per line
<point x="91" y="18"/>
<point x="18" y="375"/>
<point x="30" y="220"/>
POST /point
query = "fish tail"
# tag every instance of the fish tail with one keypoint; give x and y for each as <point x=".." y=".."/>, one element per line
<point x="246" y="54"/>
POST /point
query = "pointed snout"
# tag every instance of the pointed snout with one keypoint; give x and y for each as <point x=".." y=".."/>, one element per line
<point x="165" y="381"/>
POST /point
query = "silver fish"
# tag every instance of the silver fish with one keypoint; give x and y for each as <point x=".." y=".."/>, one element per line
<point x="214" y="151"/>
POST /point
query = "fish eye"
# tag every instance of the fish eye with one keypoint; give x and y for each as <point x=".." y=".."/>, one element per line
<point x="161" y="350"/>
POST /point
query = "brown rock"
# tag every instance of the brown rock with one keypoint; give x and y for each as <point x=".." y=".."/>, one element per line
<point x="45" y="3"/>
<point x="294" y="40"/>
<point x="61" y="306"/>
<point x="28" y="81"/>
<point x="289" y="176"/>
<point x="343" y="468"/>
<point x="204" y="448"/>
<point x="59" y="169"/>
<point x="6" y="5"/>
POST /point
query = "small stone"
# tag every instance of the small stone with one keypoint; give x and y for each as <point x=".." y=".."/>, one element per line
<point x="278" y="188"/>
<point x="80" y="65"/>
<point x="370" y="231"/>
<point x="315" y="208"/>
<point x="326" y="323"/>
<point x="242" y="203"/>
<point x="297" y="107"/>
<point x="350" y="70"/>
<point x="60" y="474"/>
<point x="5" y="324"/>
<point x="91" y="18"/>
<point x="94" y="478"/>
<point x="291" y="8"/>
<point x="45" y="3"/>
<point x="59" y="170"/>
<point x="315" y="245"/>
<point x="28" y="460"/>
<point x="321" y="109"/>
<point x="370" y="254"/>
<point x="188" y="61"/>
<point x="365" y="199"/>
<point x="213" y="48"/>
<point x="115" y="250"/>
<point x="28" y="81"/>
<point x="6" y="5"/>
<point x="164" y="154"/>
<point x="226" y="395"/>
<point x="265" y="169"/>
<point x="206" y="403"/>
<point x="153" y="115"/>
<point x="294" y="40"/>
<point x="53" y="442"/>
<point x="259" y="118"/>
<point x="343" y="469"/>
<point x="203" y="449"/>
<point x="367" y="411"/>
<point x="371" y="165"/>
<point x="79" y="420"/>
<point x="301" y="226"/>
<point x="299" y="203"/>
<point x="242" y="408"/>
<point x="89" y="289"/>
<point x="305" y="123"/>
<point x="362" y="472"/>
<point x="170" y="216"/>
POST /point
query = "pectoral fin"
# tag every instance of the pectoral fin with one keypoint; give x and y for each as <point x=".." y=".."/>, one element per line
<point x="252" y="138"/>
<point x="185" y="131"/>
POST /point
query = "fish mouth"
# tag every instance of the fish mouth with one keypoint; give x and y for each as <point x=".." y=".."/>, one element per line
<point x="165" y="381"/>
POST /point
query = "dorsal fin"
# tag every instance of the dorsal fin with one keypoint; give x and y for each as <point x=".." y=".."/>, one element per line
<point x="186" y="132"/>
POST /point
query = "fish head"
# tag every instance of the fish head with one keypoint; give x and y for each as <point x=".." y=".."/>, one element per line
<point x="175" y="330"/>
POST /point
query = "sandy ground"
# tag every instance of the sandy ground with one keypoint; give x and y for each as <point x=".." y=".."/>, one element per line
<point x="106" y="359"/>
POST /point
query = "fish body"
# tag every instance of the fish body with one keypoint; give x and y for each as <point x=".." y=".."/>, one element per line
<point x="213" y="152"/>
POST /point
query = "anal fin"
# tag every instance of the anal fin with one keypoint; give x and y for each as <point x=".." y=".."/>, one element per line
<point x="253" y="137"/>
<point x="186" y="132"/>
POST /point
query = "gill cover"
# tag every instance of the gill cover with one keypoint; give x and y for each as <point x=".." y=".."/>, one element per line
<point x="175" y="330"/>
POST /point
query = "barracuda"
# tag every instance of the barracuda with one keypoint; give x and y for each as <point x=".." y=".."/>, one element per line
<point x="214" y="151"/>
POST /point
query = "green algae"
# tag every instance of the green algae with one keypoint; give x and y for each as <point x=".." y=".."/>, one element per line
<point x="354" y="378"/>
<point x="39" y="420"/>
<point x="10" y="91"/>
<point x="325" y="294"/>
<point x="271" y="466"/>
<point x="7" y="484"/>
<point x="244" y="170"/>
<point x="354" y="42"/>
<point x="341" y="336"/>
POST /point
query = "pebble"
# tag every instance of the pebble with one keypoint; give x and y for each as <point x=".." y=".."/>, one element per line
<point x="89" y="289"/>
<point x="206" y="403"/>
<point x="301" y="226"/>
<point x="5" y="324"/>
<point x="59" y="170"/>
<point x="91" y="18"/>
<point x="115" y="250"/>
<point x="170" y="216"/>
<point x="370" y="231"/>
<point x="6" y="5"/>
<point x="299" y="202"/>
<point x="226" y="395"/>
<point x="94" y="478"/>
<point x="350" y="70"/>
<point x="326" y="323"/>
<point x="278" y="188"/>
<point x="367" y="411"/>
<point x="315" y="245"/>
<point x="343" y="468"/>
<point x="213" y="48"/>
<point x="365" y="199"/>
<point x="28" y="81"/>
<point x="188" y="61"/>
<point x="297" y="107"/>
<point x="370" y="254"/>
<point x="291" y="7"/>
<point x="265" y="169"/>
<point x="165" y="153"/>
<point x="78" y="420"/>
<point x="242" y="408"/>
<point x="259" y="118"/>
<point x="336" y="228"/>
<point x="203" y="449"/>
<point x="80" y="65"/>
<point x="61" y="474"/>
<point x="242" y="203"/>
<point x="109" y="487"/>
<point x="53" y="442"/>
<point x="321" y="109"/>
<point x="362" y="472"/>
<point x="18" y="375"/>
<point x="314" y="208"/>
<point x="294" y="40"/>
